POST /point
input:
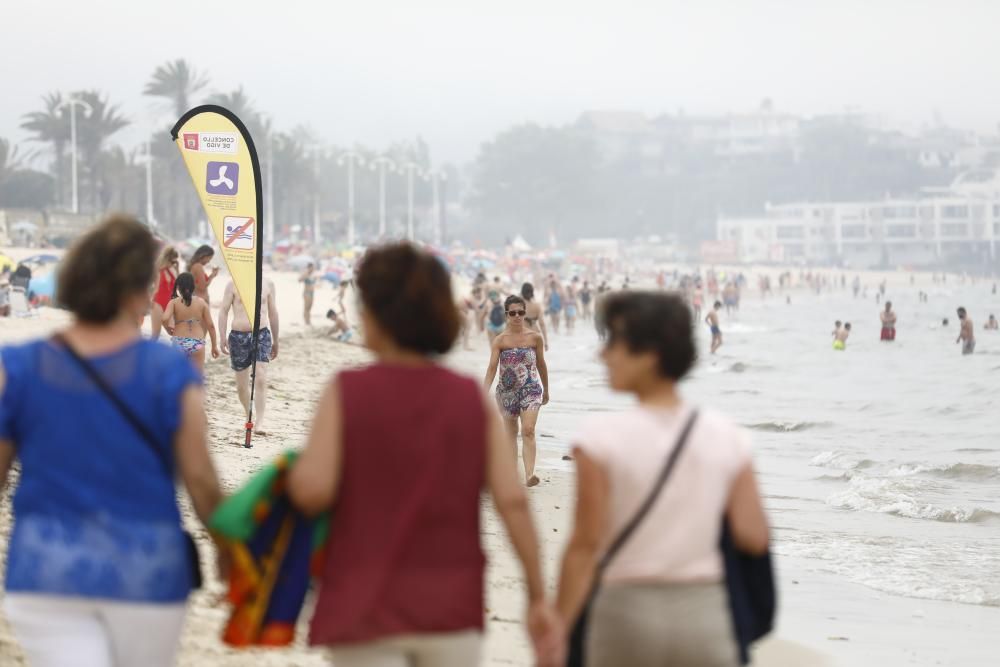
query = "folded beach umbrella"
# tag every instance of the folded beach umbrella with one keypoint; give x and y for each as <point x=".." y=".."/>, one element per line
<point x="275" y="549"/>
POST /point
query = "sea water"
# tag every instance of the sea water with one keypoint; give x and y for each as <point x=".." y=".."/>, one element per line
<point x="879" y="464"/>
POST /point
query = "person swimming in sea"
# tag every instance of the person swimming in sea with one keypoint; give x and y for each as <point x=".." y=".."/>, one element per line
<point x="712" y="320"/>
<point x="840" y="338"/>
<point x="837" y="326"/>
<point x="991" y="324"/>
<point x="187" y="319"/>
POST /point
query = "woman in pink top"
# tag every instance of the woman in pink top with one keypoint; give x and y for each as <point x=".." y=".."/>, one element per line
<point x="662" y="599"/>
<point x="401" y="451"/>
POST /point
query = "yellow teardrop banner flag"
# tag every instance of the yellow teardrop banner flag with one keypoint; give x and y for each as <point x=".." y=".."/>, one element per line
<point x="221" y="158"/>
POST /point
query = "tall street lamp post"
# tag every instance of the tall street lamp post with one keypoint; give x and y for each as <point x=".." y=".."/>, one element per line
<point x="383" y="164"/>
<point x="350" y="158"/>
<point x="73" y="103"/>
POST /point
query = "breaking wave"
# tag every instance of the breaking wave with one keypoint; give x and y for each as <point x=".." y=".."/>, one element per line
<point x="787" y="427"/>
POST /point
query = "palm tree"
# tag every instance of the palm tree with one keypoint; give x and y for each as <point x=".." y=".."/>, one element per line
<point x="10" y="161"/>
<point x="93" y="131"/>
<point x="240" y="104"/>
<point x="178" y="82"/>
<point x="51" y="125"/>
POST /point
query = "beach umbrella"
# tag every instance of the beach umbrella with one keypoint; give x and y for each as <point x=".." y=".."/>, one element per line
<point x="45" y="285"/>
<point x="41" y="260"/>
<point x="301" y="261"/>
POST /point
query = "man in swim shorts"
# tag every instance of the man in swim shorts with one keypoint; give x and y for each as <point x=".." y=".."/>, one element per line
<point x="966" y="333"/>
<point x="239" y="346"/>
<point x="712" y="319"/>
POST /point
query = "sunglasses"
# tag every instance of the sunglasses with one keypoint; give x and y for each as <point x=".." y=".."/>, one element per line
<point x="516" y="313"/>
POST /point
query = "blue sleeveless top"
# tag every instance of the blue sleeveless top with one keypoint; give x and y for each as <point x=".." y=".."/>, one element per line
<point x="95" y="512"/>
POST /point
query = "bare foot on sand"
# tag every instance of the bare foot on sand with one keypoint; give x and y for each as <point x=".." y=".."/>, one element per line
<point x="533" y="481"/>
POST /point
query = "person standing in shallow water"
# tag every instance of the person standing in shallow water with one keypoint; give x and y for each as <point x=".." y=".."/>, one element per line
<point x="840" y="337"/>
<point x="966" y="332"/>
<point x="523" y="386"/>
<point x="888" y="318"/>
<point x="712" y="319"/>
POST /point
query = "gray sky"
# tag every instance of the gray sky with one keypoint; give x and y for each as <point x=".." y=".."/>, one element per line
<point x="456" y="72"/>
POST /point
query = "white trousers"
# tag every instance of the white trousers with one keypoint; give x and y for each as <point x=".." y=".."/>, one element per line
<point x="454" y="649"/>
<point x="57" y="631"/>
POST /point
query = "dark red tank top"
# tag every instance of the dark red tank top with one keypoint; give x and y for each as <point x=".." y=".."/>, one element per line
<point x="404" y="555"/>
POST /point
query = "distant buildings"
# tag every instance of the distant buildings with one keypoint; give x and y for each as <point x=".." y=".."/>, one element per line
<point x="961" y="222"/>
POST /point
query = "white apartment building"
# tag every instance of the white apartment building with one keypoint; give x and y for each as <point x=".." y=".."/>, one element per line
<point x="959" y="222"/>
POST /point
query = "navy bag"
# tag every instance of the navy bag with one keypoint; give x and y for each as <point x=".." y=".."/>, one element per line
<point x="752" y="595"/>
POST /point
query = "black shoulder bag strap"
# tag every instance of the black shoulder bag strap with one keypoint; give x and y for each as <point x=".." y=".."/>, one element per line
<point x="148" y="437"/>
<point x="579" y="633"/>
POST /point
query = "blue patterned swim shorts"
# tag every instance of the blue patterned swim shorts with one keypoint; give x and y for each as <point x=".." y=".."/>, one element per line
<point x="241" y="348"/>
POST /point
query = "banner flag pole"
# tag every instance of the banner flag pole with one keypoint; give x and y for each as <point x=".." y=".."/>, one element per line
<point x="221" y="159"/>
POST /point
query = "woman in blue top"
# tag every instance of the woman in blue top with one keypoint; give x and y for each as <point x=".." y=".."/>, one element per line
<point x="98" y="568"/>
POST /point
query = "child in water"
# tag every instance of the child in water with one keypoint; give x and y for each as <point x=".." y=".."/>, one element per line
<point x="840" y="337"/>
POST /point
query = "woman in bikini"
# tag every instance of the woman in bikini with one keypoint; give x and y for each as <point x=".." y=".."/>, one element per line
<point x="187" y="319"/>
<point x="534" y="317"/>
<point x="308" y="280"/>
<point x="202" y="256"/>
<point x="523" y="387"/>
<point x="168" y="267"/>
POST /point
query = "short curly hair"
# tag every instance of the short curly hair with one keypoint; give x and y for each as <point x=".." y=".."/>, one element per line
<point x="112" y="262"/>
<point x="408" y="292"/>
<point x="653" y="322"/>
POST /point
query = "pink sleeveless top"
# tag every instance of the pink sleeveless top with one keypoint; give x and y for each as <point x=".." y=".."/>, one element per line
<point x="404" y="555"/>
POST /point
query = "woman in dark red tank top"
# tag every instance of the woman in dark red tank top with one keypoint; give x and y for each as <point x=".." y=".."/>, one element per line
<point x="401" y="450"/>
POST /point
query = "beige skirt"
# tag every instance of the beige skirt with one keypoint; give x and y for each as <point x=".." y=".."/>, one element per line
<point x="661" y="625"/>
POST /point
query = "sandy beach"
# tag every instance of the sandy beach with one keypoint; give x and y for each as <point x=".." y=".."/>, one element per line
<point x="824" y="620"/>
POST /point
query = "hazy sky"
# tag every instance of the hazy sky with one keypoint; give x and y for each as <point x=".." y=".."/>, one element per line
<point x="457" y="72"/>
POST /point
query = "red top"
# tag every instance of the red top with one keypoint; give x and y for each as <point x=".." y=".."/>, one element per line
<point x="403" y="555"/>
<point x="165" y="288"/>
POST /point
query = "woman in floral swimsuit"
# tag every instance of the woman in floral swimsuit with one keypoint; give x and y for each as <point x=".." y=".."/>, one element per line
<point x="523" y="386"/>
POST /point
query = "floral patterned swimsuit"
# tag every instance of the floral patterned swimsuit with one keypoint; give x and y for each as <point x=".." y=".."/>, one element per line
<point x="519" y="388"/>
